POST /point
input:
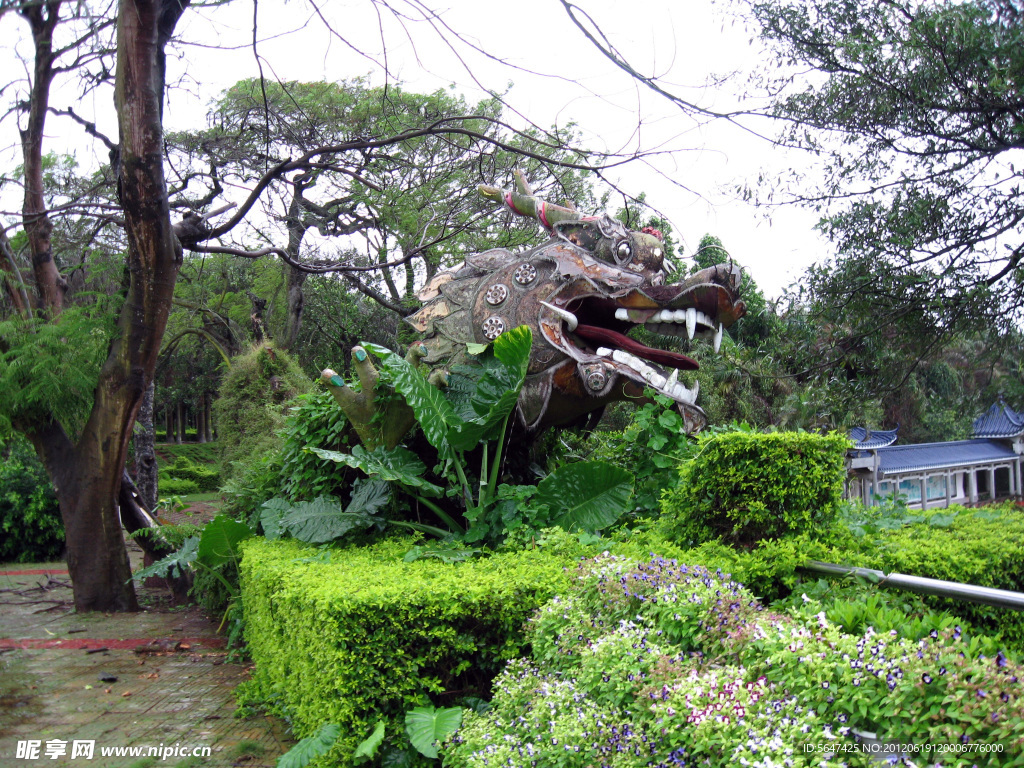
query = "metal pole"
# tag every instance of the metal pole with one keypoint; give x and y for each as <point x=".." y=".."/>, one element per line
<point x="999" y="598"/>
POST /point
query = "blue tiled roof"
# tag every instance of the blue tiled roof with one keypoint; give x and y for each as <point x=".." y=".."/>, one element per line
<point x="908" y="458"/>
<point x="877" y="439"/>
<point x="999" y="421"/>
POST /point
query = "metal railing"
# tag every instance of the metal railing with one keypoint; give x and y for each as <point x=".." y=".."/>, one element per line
<point x="1000" y="598"/>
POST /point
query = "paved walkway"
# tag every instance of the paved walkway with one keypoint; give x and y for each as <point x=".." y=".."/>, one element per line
<point x="158" y="679"/>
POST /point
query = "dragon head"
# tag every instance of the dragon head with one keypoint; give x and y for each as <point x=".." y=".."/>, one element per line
<point x="580" y="293"/>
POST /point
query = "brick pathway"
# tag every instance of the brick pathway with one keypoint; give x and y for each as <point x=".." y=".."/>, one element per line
<point x="159" y="678"/>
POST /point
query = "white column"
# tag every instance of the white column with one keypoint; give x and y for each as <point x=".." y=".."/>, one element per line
<point x="924" y="492"/>
<point x="950" y="479"/>
<point x="992" y="482"/>
<point x="972" y="485"/>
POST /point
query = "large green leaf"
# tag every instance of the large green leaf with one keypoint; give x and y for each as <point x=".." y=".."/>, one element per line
<point x="426" y="726"/>
<point x="271" y="513"/>
<point x="497" y="382"/>
<point x="220" y="539"/>
<point x="398" y="465"/>
<point x="179" y="561"/>
<point x="310" y="747"/>
<point x="368" y="747"/>
<point x="587" y="496"/>
<point x="323" y="519"/>
<point x="433" y="411"/>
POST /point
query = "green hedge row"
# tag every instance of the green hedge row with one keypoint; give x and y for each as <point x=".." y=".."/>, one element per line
<point x="357" y="635"/>
<point x="982" y="546"/>
<point x="186" y="476"/>
<point x="745" y="487"/>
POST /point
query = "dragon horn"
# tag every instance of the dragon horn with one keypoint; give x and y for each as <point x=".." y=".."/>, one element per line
<point x="523" y="202"/>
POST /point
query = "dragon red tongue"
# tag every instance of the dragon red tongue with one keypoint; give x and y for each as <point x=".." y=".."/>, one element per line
<point x="618" y="341"/>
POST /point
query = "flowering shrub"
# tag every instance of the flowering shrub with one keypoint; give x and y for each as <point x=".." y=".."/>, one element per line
<point x="661" y="664"/>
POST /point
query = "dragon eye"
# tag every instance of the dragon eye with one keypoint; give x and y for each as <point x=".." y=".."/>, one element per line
<point x="623" y="252"/>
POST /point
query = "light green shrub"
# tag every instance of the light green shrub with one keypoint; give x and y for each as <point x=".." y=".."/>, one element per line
<point x="974" y="546"/>
<point x="206" y="479"/>
<point x="357" y="635"/>
<point x="253" y="393"/>
<point x="176" y="486"/>
<point x="746" y="487"/>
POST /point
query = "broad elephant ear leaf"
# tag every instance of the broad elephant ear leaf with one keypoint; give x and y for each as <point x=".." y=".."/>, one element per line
<point x="311" y="747"/>
<point x="398" y="465"/>
<point x="323" y="519"/>
<point x="219" y="541"/>
<point x="426" y="726"/>
<point x="179" y="561"/>
<point x="586" y="496"/>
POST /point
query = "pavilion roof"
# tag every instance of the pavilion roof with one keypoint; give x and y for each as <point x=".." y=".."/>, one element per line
<point x="863" y="440"/>
<point x="999" y="421"/>
<point x="896" y="459"/>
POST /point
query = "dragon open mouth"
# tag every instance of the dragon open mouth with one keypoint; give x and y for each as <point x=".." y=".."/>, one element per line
<point x="596" y="326"/>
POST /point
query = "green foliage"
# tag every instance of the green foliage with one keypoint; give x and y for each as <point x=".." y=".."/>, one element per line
<point x="176" y="486"/>
<point x="203" y="454"/>
<point x="358" y="636"/>
<point x="748" y="487"/>
<point x="982" y="546"/>
<point x="313" y="421"/>
<point x="655" y="662"/>
<point x="471" y="414"/>
<point x="51" y="367"/>
<point x="184" y="469"/>
<point x="426" y="726"/>
<point x="898" y="185"/>
<point x="31" y="528"/>
<point x="311" y="747"/>
<point x="325" y="519"/>
<point x="253" y="395"/>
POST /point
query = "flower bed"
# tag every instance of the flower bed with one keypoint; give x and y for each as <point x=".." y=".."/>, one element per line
<point x="656" y="663"/>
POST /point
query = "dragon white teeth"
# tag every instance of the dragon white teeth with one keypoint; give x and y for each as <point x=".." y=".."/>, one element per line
<point x="672" y="380"/>
<point x="696" y="389"/>
<point x="604" y="352"/>
<point x="691" y="321"/>
<point x="717" y="344"/>
<point x="622" y="313"/>
<point x="570" y="319"/>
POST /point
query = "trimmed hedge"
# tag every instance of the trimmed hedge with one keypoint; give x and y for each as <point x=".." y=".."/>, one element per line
<point x="357" y="636"/>
<point x="206" y="479"/>
<point x="745" y="487"/>
<point x="983" y="546"/>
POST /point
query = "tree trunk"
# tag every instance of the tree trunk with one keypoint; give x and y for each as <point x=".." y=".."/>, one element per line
<point x="97" y="558"/>
<point x="179" y="422"/>
<point x="146" y="472"/>
<point x="200" y="421"/>
<point x="43" y="19"/>
<point x="296" y="302"/>
<point x="208" y="409"/>
<point x="135" y="517"/>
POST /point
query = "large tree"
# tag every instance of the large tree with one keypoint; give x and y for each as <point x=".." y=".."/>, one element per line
<point x="916" y="110"/>
<point x="43" y="337"/>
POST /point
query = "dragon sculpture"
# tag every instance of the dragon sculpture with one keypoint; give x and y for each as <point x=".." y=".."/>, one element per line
<point x="581" y="292"/>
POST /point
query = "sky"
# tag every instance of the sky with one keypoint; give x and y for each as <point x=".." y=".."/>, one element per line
<point x="550" y="74"/>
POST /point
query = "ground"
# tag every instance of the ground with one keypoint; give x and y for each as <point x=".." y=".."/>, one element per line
<point x="160" y="678"/>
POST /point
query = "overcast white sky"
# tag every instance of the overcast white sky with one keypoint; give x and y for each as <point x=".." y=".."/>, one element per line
<point x="557" y="76"/>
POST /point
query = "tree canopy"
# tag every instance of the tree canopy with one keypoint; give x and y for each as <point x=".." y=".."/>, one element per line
<point x="916" y="110"/>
